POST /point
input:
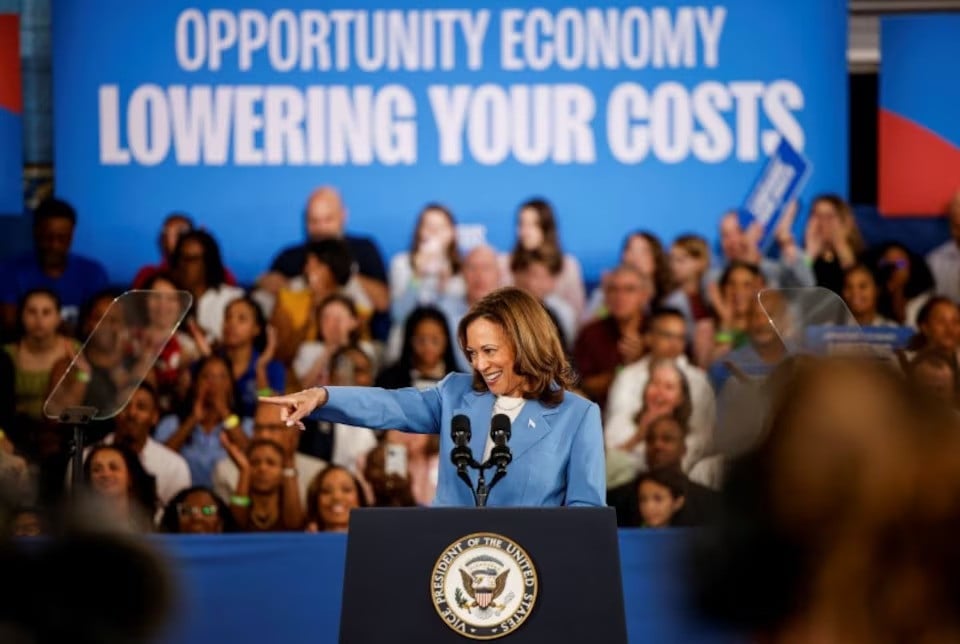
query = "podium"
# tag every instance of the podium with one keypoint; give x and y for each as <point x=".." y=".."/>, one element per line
<point x="517" y="575"/>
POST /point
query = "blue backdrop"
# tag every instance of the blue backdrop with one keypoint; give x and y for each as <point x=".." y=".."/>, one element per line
<point x="286" y="588"/>
<point x="652" y="115"/>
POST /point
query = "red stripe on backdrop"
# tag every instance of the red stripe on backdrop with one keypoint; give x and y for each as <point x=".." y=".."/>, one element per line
<point x="11" y="92"/>
<point x="919" y="171"/>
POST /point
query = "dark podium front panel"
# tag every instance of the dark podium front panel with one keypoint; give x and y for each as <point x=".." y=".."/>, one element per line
<point x="460" y="574"/>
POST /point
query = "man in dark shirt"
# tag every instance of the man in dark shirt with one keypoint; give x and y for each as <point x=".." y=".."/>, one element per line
<point x="51" y="265"/>
<point x="603" y="346"/>
<point x="325" y="219"/>
<point x="666" y="447"/>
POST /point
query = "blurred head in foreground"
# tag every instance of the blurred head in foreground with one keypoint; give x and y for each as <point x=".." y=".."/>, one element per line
<point x="839" y="524"/>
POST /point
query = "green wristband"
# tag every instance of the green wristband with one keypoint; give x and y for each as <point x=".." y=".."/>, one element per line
<point x="241" y="501"/>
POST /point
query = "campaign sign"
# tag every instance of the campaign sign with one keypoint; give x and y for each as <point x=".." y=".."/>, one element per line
<point x="781" y="180"/>
<point x="625" y="115"/>
<point x="880" y="341"/>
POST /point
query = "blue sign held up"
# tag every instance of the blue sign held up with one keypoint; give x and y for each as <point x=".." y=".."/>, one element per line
<point x="780" y="182"/>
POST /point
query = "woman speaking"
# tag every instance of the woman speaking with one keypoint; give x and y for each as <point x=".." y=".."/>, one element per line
<point x="519" y="369"/>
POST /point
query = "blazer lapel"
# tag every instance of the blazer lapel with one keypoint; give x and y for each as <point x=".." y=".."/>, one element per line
<point x="531" y="426"/>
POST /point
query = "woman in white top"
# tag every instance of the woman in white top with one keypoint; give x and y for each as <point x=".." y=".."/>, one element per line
<point x="537" y="231"/>
<point x="860" y="294"/>
<point x="339" y="326"/>
<point x="197" y="266"/>
<point x="430" y="269"/>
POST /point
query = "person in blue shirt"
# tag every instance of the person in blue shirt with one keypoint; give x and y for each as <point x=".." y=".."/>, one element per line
<point x="51" y="265"/>
<point x="519" y="370"/>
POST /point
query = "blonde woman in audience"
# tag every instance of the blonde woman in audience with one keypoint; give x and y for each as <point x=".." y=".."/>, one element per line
<point x="537" y="230"/>
<point x="833" y="241"/>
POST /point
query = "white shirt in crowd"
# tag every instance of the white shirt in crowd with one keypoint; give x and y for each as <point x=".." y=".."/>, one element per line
<point x="626" y="397"/>
<point x="211" y="306"/>
<point x="944" y="263"/>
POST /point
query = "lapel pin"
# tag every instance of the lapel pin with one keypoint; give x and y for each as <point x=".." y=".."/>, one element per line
<point x="531" y="424"/>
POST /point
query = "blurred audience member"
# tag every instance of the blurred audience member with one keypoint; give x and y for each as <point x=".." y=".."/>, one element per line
<point x="197" y="266"/>
<point x="333" y="493"/>
<point x="171" y="370"/>
<point x="839" y="525"/>
<point x="267" y="426"/>
<point x="604" y="346"/>
<point x="430" y="269"/>
<point x="326" y="273"/>
<point x="944" y="260"/>
<point x="427" y="352"/>
<point x="732" y="298"/>
<point x="336" y="443"/>
<point x="210" y="411"/>
<point x="266" y="498"/>
<point x="27" y="521"/>
<point x="904" y="280"/>
<point x="660" y="498"/>
<point x="535" y="274"/>
<point x="39" y="347"/>
<point x="833" y="241"/>
<point x="689" y="263"/>
<point x="249" y="345"/>
<point x="665" y="339"/>
<point x="390" y="485"/>
<point x="197" y="510"/>
<point x="174" y="225"/>
<point x="537" y="230"/>
<point x="742" y="245"/>
<point x="132" y="429"/>
<point x="325" y="219"/>
<point x="50" y="265"/>
<point x="938" y="328"/>
<point x="666" y="393"/>
<point x="861" y="295"/>
<point x="643" y="251"/>
<point x="762" y="351"/>
<point x="422" y="460"/>
<point x="338" y="326"/>
<point x="934" y="374"/>
<point x="481" y="276"/>
<point x="121" y="487"/>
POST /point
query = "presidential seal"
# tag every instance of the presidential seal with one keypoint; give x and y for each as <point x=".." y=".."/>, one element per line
<point x="484" y="586"/>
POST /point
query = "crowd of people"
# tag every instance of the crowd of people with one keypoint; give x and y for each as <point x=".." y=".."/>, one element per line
<point x="659" y="344"/>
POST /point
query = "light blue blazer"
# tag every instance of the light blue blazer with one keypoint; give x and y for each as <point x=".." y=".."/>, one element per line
<point x="557" y="451"/>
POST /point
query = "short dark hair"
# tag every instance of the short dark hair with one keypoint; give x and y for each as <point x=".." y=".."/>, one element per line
<point x="659" y="313"/>
<point x="736" y="265"/>
<point x="53" y="208"/>
<point x="668" y="478"/>
<point x="335" y="253"/>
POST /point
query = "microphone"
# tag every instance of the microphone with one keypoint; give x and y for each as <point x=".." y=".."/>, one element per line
<point x="460" y="430"/>
<point x="500" y="455"/>
<point x="460" y="455"/>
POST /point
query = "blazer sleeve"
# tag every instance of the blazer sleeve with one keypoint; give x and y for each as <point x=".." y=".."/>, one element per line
<point x="406" y="409"/>
<point x="586" y="471"/>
